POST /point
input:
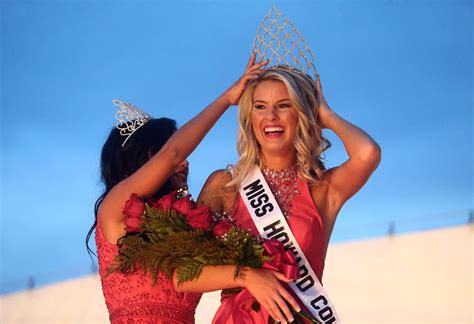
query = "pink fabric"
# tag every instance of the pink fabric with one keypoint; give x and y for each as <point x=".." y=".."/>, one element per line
<point x="238" y="308"/>
<point x="307" y="227"/>
<point x="283" y="261"/>
<point x="131" y="298"/>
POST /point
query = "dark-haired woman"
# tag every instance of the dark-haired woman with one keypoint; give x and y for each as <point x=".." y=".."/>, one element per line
<point x="152" y="163"/>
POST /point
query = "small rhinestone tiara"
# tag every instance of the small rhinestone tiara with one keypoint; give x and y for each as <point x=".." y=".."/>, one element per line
<point x="129" y="118"/>
<point x="281" y="43"/>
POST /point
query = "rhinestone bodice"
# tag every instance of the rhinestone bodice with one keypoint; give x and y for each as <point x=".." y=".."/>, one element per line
<point x="283" y="185"/>
<point x="131" y="298"/>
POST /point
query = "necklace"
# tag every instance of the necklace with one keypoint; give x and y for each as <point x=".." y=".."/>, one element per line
<point x="283" y="185"/>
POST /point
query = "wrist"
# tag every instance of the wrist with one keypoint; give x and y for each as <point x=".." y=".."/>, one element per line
<point x="226" y="99"/>
<point x="326" y="117"/>
<point x="240" y="275"/>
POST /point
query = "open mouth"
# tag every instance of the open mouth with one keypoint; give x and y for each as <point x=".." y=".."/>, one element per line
<point x="273" y="131"/>
<point x="182" y="173"/>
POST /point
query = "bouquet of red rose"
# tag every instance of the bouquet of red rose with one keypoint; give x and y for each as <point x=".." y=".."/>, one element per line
<point x="175" y="233"/>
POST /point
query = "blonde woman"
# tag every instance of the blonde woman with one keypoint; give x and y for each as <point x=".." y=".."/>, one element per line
<point x="281" y="117"/>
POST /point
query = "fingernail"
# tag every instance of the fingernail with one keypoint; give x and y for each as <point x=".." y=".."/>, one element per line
<point x="298" y="309"/>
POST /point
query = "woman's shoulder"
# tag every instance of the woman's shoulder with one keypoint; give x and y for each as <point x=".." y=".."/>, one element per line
<point x="219" y="177"/>
<point x="216" y="193"/>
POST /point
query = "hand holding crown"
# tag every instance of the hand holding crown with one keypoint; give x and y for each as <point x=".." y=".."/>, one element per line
<point x="323" y="109"/>
<point x="252" y="71"/>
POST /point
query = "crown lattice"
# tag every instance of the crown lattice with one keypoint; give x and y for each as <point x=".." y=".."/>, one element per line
<point x="129" y="118"/>
<point x="281" y="43"/>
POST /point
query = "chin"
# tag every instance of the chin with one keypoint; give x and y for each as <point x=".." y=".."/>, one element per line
<point x="178" y="183"/>
<point x="277" y="148"/>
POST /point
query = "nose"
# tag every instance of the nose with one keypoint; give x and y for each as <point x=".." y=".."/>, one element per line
<point x="184" y="164"/>
<point x="272" y="114"/>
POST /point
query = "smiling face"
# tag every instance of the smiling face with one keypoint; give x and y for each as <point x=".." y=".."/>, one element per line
<point x="274" y="119"/>
<point x="278" y="126"/>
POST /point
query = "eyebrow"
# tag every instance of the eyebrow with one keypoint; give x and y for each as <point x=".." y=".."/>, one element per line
<point x="263" y="101"/>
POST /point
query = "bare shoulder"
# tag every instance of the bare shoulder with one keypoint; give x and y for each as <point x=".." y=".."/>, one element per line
<point x="219" y="177"/>
<point x="110" y="216"/>
<point x="216" y="181"/>
<point x="215" y="192"/>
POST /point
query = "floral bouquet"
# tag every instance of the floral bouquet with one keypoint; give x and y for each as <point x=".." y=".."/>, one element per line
<point x="175" y="233"/>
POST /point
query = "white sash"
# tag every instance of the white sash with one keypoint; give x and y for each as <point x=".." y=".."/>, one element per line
<point x="271" y="224"/>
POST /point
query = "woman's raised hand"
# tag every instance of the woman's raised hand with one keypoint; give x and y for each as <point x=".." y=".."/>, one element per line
<point x="267" y="289"/>
<point x="323" y="109"/>
<point x="252" y="71"/>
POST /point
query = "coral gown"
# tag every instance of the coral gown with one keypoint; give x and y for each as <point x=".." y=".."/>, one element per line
<point x="307" y="227"/>
<point x="132" y="299"/>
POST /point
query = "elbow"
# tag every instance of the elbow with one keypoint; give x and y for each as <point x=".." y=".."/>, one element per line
<point x="183" y="287"/>
<point x="372" y="155"/>
<point x="173" y="154"/>
<point x="176" y="285"/>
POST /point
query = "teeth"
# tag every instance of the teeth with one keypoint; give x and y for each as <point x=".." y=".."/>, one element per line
<point x="273" y="129"/>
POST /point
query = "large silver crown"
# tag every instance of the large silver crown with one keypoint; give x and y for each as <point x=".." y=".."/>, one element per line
<point x="281" y="43"/>
<point x="129" y="118"/>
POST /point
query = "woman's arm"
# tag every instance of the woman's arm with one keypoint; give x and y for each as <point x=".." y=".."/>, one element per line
<point x="211" y="278"/>
<point x="263" y="284"/>
<point x="364" y="155"/>
<point x="151" y="176"/>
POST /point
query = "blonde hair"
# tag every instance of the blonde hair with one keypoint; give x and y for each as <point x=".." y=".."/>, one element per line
<point x="309" y="142"/>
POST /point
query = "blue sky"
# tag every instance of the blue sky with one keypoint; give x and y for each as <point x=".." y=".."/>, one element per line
<point x="401" y="70"/>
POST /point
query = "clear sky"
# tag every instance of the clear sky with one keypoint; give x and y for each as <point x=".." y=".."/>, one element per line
<point x="401" y="70"/>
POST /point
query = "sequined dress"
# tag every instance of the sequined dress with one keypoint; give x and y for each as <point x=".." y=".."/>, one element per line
<point x="132" y="299"/>
<point x="295" y="200"/>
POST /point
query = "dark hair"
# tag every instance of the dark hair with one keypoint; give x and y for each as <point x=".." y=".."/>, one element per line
<point x="117" y="162"/>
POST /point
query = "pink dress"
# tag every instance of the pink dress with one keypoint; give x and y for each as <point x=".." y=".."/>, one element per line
<point x="307" y="227"/>
<point x="131" y="298"/>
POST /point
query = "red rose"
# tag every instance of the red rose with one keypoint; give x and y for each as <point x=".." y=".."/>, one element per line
<point x="199" y="217"/>
<point x="133" y="212"/>
<point x="165" y="202"/>
<point x="134" y="206"/>
<point x="221" y="228"/>
<point x="133" y="224"/>
<point x="184" y="205"/>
